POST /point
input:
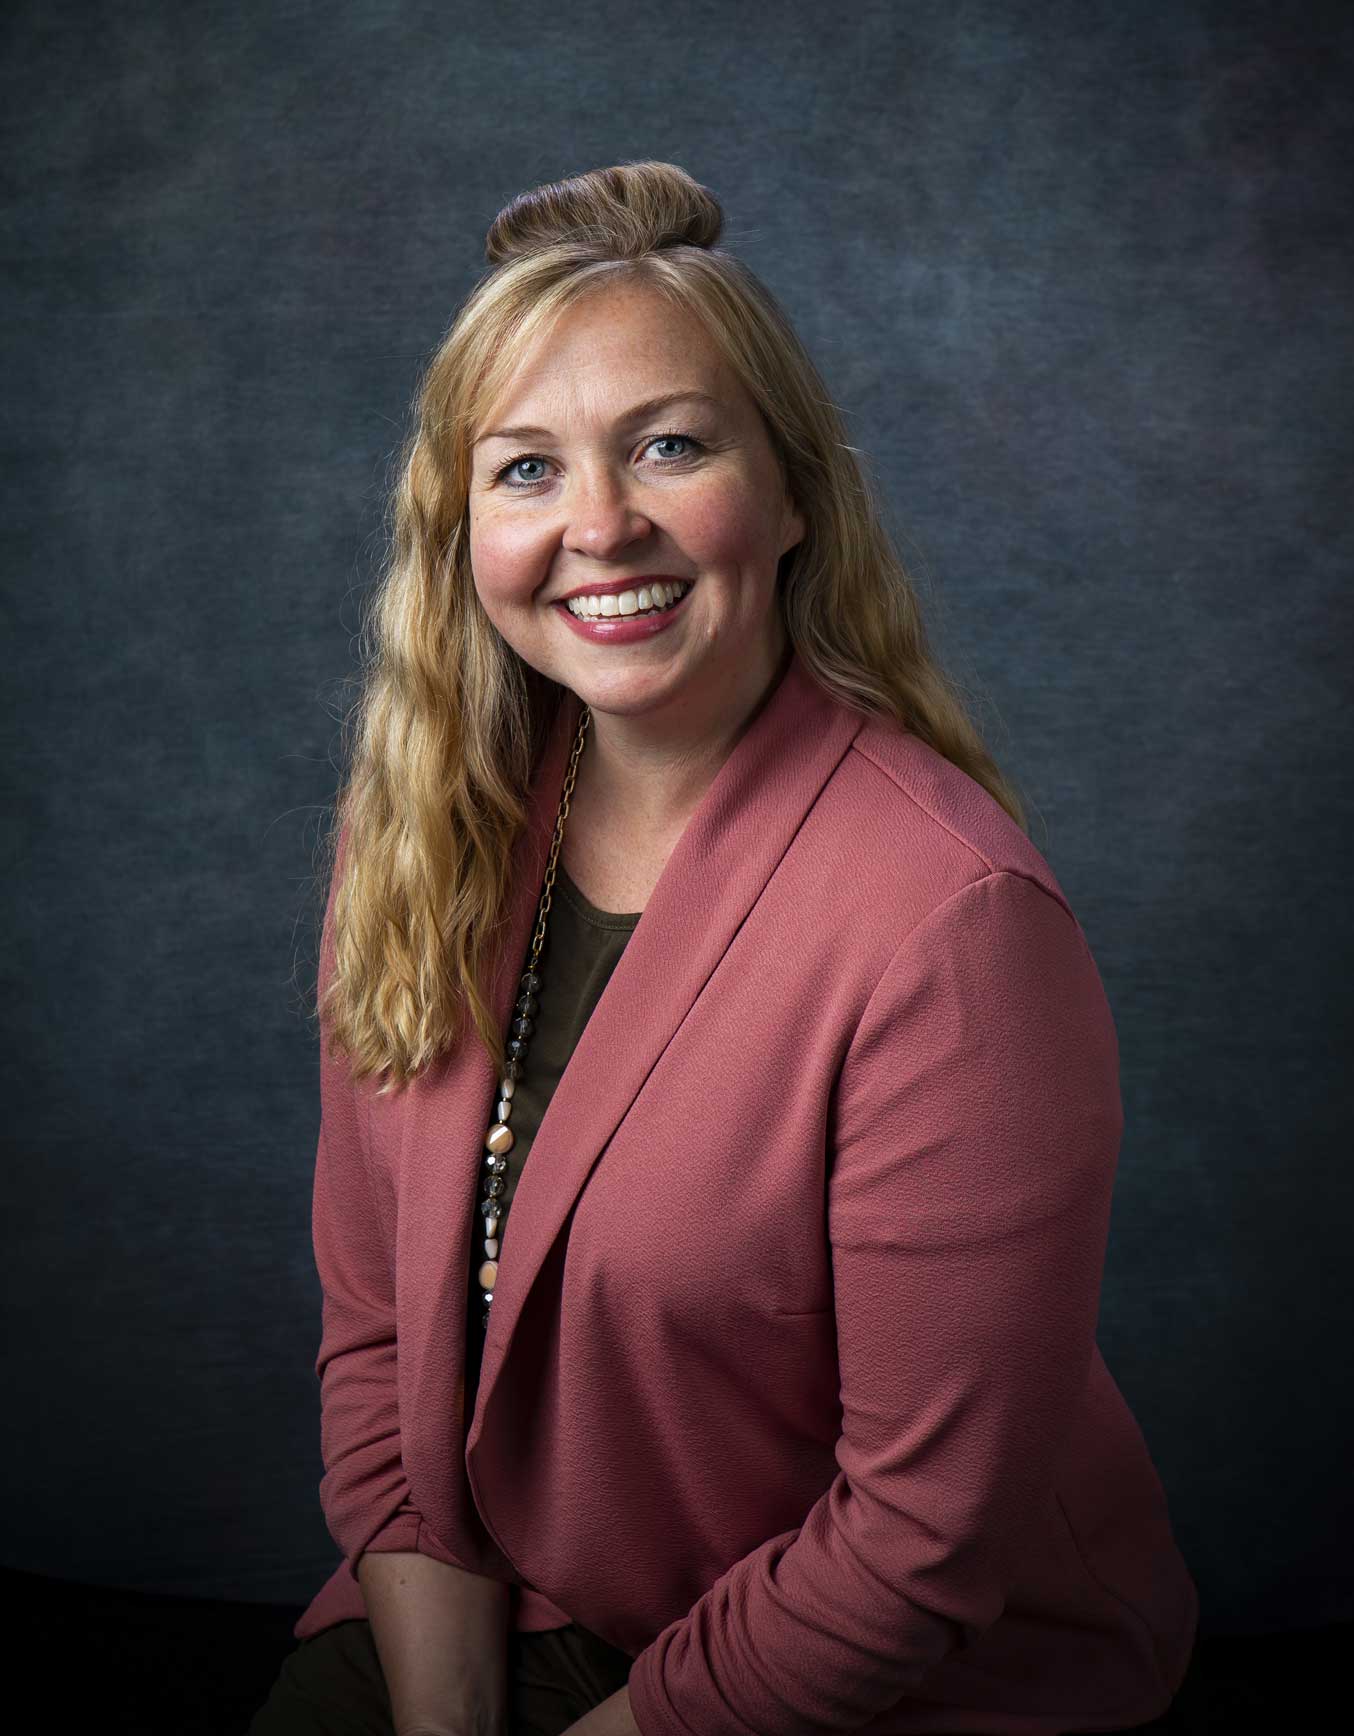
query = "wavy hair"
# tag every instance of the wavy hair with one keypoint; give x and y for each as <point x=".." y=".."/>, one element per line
<point x="450" y="721"/>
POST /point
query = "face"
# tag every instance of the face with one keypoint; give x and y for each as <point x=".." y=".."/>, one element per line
<point x="581" y="485"/>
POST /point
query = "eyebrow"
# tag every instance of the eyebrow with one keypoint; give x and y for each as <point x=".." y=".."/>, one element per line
<point x="636" y="413"/>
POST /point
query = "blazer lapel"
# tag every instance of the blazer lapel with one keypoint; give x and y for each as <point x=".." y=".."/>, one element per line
<point x="719" y="866"/>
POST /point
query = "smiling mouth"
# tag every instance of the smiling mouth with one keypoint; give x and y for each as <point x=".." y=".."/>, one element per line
<point x="636" y="605"/>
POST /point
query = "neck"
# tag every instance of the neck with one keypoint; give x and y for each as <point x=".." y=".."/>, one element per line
<point x="647" y="774"/>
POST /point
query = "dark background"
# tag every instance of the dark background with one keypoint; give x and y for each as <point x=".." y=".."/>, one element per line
<point x="1079" y="275"/>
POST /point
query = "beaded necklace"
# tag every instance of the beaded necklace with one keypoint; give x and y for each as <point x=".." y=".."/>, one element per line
<point x="499" y="1140"/>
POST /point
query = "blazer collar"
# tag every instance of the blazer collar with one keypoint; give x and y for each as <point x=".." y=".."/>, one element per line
<point x="724" y="857"/>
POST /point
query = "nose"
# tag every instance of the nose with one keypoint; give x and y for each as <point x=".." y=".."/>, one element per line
<point x="603" y="521"/>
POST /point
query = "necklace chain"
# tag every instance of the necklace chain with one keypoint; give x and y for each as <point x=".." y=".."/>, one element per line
<point x="538" y="938"/>
<point x="499" y="1140"/>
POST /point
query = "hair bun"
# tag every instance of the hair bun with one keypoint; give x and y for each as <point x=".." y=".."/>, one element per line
<point x="621" y="213"/>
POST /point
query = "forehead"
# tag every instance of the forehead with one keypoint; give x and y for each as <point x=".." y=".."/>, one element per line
<point x="612" y="348"/>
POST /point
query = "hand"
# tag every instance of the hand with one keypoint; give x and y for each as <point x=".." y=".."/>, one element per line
<point x="612" y="1717"/>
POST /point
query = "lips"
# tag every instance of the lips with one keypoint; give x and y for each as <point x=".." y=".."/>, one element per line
<point x="623" y="629"/>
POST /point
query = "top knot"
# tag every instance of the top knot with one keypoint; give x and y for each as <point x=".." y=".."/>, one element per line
<point x="623" y="212"/>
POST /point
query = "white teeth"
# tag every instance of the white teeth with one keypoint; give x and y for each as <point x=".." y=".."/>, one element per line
<point x="659" y="596"/>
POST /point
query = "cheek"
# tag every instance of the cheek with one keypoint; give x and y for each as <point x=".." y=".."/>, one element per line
<point x="503" y="557"/>
<point x="728" y="526"/>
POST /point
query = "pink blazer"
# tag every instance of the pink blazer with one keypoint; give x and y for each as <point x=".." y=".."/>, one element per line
<point x="791" y="1388"/>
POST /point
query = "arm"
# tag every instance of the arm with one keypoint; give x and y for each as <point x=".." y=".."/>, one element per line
<point x="611" y="1717"/>
<point x="441" y="1636"/>
<point x="440" y="1630"/>
<point x="973" y="1140"/>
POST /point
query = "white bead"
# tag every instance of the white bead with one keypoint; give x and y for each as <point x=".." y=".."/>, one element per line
<point x="491" y="1247"/>
<point x="506" y="1087"/>
<point x="503" y="1109"/>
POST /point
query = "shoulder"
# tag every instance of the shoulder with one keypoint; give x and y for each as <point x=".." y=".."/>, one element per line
<point x="921" y="828"/>
<point x="971" y="925"/>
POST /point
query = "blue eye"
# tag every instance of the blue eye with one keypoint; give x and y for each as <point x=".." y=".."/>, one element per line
<point x="503" y="473"/>
<point x="513" y="463"/>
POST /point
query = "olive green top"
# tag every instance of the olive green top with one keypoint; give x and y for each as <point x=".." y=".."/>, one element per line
<point x="578" y="955"/>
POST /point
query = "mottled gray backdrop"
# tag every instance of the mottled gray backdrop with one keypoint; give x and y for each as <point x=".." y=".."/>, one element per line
<point x="1078" y="273"/>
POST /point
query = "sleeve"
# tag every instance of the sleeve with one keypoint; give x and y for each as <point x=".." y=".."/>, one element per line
<point x="973" y="1144"/>
<point x="363" y="1493"/>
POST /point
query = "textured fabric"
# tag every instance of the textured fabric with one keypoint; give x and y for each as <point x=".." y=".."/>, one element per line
<point x="791" y="1389"/>
<point x="332" y="1684"/>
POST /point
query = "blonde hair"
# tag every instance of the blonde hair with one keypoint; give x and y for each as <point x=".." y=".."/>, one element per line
<point x="450" y="720"/>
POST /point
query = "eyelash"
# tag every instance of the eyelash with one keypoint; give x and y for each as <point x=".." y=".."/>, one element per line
<point x="500" y="474"/>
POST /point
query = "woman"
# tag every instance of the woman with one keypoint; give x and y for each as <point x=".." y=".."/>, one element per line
<point x="765" y="1396"/>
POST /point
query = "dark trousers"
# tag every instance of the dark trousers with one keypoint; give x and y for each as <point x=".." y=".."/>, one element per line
<point x="332" y="1685"/>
